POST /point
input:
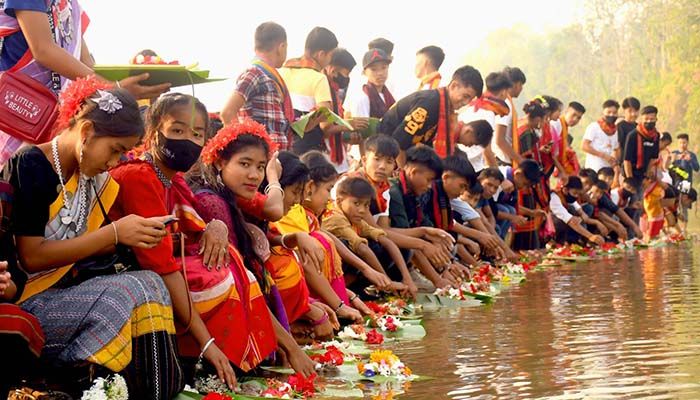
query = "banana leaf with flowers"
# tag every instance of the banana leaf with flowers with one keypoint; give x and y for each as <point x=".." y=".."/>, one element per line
<point x="571" y="252"/>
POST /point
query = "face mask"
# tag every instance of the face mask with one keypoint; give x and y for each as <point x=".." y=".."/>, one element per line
<point x="610" y="119"/>
<point x="342" y="81"/>
<point x="570" y="199"/>
<point x="649" y="126"/>
<point x="178" y="154"/>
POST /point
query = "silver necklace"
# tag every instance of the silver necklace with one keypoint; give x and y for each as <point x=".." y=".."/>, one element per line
<point x="64" y="213"/>
<point x="161" y="176"/>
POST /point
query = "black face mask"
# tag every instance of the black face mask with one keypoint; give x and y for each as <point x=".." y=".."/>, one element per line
<point x="178" y="154"/>
<point x="610" y="119"/>
<point x="649" y="126"/>
<point x="570" y="198"/>
<point x="342" y="81"/>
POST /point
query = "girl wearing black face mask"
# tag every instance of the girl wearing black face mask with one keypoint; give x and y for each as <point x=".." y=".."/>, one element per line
<point x="154" y="185"/>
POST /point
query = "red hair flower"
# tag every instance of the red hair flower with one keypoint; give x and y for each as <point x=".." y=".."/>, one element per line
<point x="74" y="96"/>
<point x="228" y="134"/>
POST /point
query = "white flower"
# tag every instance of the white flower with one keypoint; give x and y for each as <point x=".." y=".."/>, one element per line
<point x="349" y="333"/>
<point x="107" y="389"/>
<point x="188" y="388"/>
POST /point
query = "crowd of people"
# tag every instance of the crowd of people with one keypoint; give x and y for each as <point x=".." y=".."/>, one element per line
<point x="156" y="239"/>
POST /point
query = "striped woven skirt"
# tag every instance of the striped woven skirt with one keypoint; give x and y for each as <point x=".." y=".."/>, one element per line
<point x="122" y="322"/>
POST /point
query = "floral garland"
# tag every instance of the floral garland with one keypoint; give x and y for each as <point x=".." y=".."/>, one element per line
<point x="228" y="134"/>
<point x="74" y="96"/>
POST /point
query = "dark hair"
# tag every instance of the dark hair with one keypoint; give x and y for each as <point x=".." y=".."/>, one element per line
<point x="611" y="103"/>
<point x="342" y="58"/>
<point x="483" y="131"/>
<point x="666" y="137"/>
<point x="553" y="104"/>
<point x="147" y="52"/>
<point x="293" y="170"/>
<point x="425" y="156"/>
<point x="491" y="172"/>
<point x="601" y="185"/>
<point x="434" y="54"/>
<point x="692" y="195"/>
<point x="383" y="44"/>
<point x="632" y="181"/>
<point x="459" y="164"/>
<point x="383" y="145"/>
<point x="606" y="171"/>
<point x="125" y="122"/>
<point x="320" y="170"/>
<point x="683" y="136"/>
<point x="631" y="102"/>
<point x="469" y="76"/>
<point x="215" y="126"/>
<point x="578" y="107"/>
<point x="534" y="109"/>
<point x="588" y="173"/>
<point x="649" y="110"/>
<point x="569" y="139"/>
<point x="475" y="188"/>
<point x="574" y="182"/>
<point x="355" y="187"/>
<point x="531" y="169"/>
<point x="164" y="105"/>
<point x="268" y="35"/>
<point x="497" y="81"/>
<point x="320" y="39"/>
<point x="515" y="75"/>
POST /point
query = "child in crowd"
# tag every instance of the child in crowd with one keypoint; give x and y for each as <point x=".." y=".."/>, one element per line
<point x="347" y="221"/>
<point x="653" y="217"/>
<point x="569" y="218"/>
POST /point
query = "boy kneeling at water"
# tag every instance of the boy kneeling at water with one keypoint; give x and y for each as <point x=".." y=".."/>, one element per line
<point x="568" y="215"/>
<point x="347" y="222"/>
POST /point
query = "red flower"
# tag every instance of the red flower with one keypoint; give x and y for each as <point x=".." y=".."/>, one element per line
<point x="304" y="386"/>
<point x="374" y="337"/>
<point x="217" y="396"/>
<point x="608" y="246"/>
<point x="376" y="308"/>
<point x="332" y="356"/>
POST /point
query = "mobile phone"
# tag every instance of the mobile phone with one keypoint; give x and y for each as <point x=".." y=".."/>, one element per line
<point x="170" y="221"/>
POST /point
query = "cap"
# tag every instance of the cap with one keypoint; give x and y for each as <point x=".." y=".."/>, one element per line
<point x="373" y="56"/>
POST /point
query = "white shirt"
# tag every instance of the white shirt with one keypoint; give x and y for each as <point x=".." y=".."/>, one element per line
<point x="601" y="142"/>
<point x="476" y="152"/>
<point x="357" y="103"/>
<point x="556" y="128"/>
<point x="464" y="209"/>
<point x="559" y="210"/>
<point x="507" y="121"/>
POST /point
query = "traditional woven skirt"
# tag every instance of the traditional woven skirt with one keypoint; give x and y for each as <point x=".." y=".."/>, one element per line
<point x="122" y="322"/>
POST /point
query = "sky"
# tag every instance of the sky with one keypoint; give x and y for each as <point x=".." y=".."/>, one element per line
<point x="219" y="34"/>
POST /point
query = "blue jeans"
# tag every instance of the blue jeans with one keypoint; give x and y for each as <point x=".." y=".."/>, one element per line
<point x="503" y="225"/>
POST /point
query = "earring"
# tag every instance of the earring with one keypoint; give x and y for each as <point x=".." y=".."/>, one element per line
<point x="219" y="181"/>
<point x="80" y="156"/>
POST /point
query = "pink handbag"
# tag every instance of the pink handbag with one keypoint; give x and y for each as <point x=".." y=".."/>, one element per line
<point x="28" y="109"/>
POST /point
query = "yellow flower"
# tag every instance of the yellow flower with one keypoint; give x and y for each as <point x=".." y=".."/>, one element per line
<point x="383" y="355"/>
<point x="407" y="371"/>
<point x="360" y="367"/>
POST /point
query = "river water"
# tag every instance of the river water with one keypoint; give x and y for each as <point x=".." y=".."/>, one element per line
<point x="615" y="329"/>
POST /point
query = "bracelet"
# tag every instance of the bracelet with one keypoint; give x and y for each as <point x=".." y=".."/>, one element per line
<point x="354" y="296"/>
<point x="321" y="320"/>
<point x="116" y="235"/>
<point x="283" y="244"/>
<point x="206" y="347"/>
<point x="274" y="186"/>
<point x="339" y="306"/>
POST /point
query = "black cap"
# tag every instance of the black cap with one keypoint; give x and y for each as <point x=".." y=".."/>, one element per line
<point x="373" y="56"/>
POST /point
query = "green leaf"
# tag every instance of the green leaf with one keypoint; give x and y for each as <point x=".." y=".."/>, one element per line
<point x="408" y="332"/>
<point x="433" y="301"/>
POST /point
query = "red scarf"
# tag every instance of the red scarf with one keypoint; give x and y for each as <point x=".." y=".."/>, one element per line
<point x="303" y="62"/>
<point x="377" y="106"/>
<point x="487" y="101"/>
<point x="444" y="143"/>
<point x="645" y="134"/>
<point x="335" y="141"/>
<point x="564" y="145"/>
<point x="608" y="129"/>
<point x="442" y="211"/>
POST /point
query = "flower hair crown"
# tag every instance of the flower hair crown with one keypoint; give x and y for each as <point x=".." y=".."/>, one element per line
<point x="75" y="94"/>
<point x="229" y="134"/>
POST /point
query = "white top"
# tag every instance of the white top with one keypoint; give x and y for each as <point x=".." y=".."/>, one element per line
<point x="555" y="128"/>
<point x="464" y="209"/>
<point x="357" y="103"/>
<point x="507" y="121"/>
<point x="559" y="210"/>
<point x="476" y="152"/>
<point x="601" y="142"/>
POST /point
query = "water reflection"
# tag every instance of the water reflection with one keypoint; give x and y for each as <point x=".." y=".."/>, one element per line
<point x="625" y="328"/>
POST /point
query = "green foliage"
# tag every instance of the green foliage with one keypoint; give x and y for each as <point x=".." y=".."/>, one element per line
<point x="649" y="49"/>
